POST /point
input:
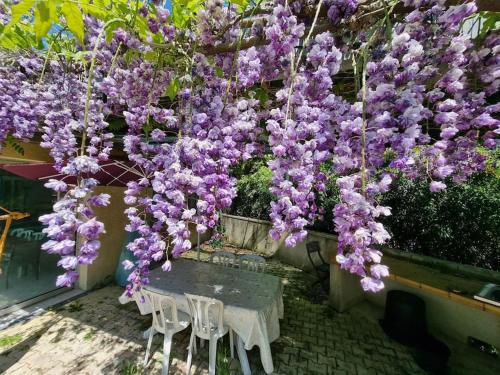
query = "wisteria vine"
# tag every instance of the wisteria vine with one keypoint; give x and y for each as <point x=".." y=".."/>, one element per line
<point x="199" y="94"/>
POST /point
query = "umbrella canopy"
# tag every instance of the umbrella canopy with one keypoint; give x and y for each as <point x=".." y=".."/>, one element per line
<point x="112" y="173"/>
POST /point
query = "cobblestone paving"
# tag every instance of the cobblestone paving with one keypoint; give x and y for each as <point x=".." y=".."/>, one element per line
<point x="96" y="335"/>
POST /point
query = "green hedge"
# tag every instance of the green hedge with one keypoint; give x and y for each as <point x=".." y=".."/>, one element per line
<point x="254" y="198"/>
<point x="461" y="223"/>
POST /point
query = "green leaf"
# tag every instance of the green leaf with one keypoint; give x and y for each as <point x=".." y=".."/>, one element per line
<point x="74" y="19"/>
<point x="96" y="9"/>
<point x="388" y="23"/>
<point x="151" y="56"/>
<point x="6" y="42"/>
<point x="491" y="21"/>
<point x="82" y="56"/>
<point x="23" y="39"/>
<point x="129" y="55"/>
<point x="241" y="3"/>
<point x="102" y="3"/>
<point x="45" y="14"/>
<point x="219" y="72"/>
<point x="261" y="95"/>
<point x="20" y="10"/>
<point x="183" y="11"/>
<point x="10" y="141"/>
<point x="123" y="9"/>
<point x="142" y="26"/>
<point x="112" y="27"/>
<point x="173" y="88"/>
<point x="14" y="38"/>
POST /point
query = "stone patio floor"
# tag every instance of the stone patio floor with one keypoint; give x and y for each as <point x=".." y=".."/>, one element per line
<point x="94" y="334"/>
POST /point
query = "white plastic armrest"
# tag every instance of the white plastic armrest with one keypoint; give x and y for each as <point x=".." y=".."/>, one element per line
<point x="125" y="299"/>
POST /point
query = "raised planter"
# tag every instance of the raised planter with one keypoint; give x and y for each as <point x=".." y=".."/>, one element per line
<point x="464" y="270"/>
<point x="254" y="234"/>
<point x="448" y="313"/>
<point x="250" y="234"/>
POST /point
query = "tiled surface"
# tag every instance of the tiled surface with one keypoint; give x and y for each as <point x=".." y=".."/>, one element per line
<point x="97" y="335"/>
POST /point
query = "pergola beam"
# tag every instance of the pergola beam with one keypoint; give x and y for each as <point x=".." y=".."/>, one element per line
<point x="367" y="10"/>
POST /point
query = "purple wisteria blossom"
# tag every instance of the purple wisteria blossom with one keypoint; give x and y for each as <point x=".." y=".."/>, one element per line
<point x="303" y="140"/>
<point x="425" y="105"/>
<point x="339" y="10"/>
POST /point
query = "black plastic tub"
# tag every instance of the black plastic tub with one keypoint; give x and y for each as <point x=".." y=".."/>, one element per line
<point x="433" y="356"/>
<point x="404" y="318"/>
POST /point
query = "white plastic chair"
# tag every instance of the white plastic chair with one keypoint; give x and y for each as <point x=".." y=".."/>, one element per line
<point x="26" y="234"/>
<point x="253" y="263"/>
<point x="167" y="320"/>
<point x="38" y="236"/>
<point x="223" y="258"/>
<point x="142" y="303"/>
<point x="16" y="232"/>
<point x="207" y="323"/>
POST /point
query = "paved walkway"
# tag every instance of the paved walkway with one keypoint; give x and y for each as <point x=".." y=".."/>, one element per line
<point x="96" y="335"/>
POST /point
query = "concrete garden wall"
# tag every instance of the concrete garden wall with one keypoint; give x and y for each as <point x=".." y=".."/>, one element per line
<point x="447" y="314"/>
<point x="253" y="234"/>
<point x="457" y="317"/>
<point x="445" y="317"/>
<point x="114" y="219"/>
<point x="449" y="318"/>
<point x="104" y="267"/>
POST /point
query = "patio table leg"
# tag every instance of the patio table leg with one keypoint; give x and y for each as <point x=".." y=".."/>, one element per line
<point x="148" y="348"/>
<point x="145" y="334"/>
<point x="212" y="354"/>
<point x="190" y="352"/>
<point x="167" y="346"/>
<point x="231" y="343"/>
<point x="242" y="355"/>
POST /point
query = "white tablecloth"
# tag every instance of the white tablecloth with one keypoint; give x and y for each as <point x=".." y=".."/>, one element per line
<point x="253" y="302"/>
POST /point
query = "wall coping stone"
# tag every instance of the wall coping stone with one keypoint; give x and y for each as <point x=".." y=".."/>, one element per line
<point x="445" y="265"/>
<point x="267" y="222"/>
<point x="440" y="264"/>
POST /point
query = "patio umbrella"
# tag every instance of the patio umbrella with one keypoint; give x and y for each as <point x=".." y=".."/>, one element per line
<point x="112" y="173"/>
<point x="8" y="217"/>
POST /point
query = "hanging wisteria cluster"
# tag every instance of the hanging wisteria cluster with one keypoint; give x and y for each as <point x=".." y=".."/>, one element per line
<point x="196" y="92"/>
<point x="302" y="136"/>
<point x="40" y="95"/>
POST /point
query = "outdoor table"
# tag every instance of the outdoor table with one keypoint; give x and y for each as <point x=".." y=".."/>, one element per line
<point x="253" y="302"/>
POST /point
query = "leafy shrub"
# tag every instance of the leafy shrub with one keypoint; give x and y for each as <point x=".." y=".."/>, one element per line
<point x="254" y="198"/>
<point x="326" y="202"/>
<point x="461" y="223"/>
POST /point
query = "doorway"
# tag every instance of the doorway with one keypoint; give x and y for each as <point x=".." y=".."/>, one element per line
<point x="27" y="272"/>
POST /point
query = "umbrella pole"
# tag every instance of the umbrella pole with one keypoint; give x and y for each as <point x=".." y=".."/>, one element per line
<point x="8" y="218"/>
